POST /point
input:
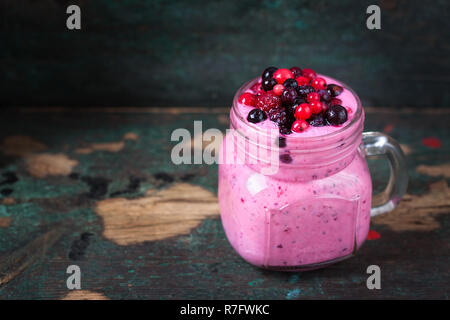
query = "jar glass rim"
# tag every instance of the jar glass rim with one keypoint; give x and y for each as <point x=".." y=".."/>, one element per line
<point x="356" y="118"/>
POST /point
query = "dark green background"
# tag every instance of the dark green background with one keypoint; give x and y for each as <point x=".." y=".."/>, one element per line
<point x="198" y="52"/>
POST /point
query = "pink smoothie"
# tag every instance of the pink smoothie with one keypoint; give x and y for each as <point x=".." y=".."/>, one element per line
<point x="315" y="210"/>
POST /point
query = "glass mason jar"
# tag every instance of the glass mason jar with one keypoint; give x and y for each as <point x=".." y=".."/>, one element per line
<point x="302" y="203"/>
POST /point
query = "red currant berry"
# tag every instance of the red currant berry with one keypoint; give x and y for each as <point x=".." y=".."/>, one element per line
<point x="303" y="111"/>
<point x="282" y="74"/>
<point x="248" y="99"/>
<point x="313" y="96"/>
<point x="302" y="81"/>
<point x="316" y="107"/>
<point x="299" y="125"/>
<point x="309" y="73"/>
<point x="319" y="83"/>
<point x="278" y="89"/>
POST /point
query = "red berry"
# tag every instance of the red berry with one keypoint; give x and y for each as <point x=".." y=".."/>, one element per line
<point x="299" y="125"/>
<point x="319" y="83"/>
<point x="296" y="71"/>
<point x="268" y="101"/>
<point x="278" y="89"/>
<point x="282" y="74"/>
<point x="248" y="99"/>
<point x="309" y="73"/>
<point x="302" y="81"/>
<point x="303" y="111"/>
<point x="313" y="96"/>
<point x="316" y="107"/>
<point x="257" y="88"/>
<point x="336" y="101"/>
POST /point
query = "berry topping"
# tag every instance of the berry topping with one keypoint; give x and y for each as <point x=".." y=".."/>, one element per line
<point x="248" y="99"/>
<point x="303" y="111"/>
<point x="282" y="74"/>
<point x="288" y="96"/>
<point x="317" y="120"/>
<point x="317" y="107"/>
<point x="290" y="83"/>
<point x="278" y="116"/>
<point x="313" y="96"/>
<point x="257" y="88"/>
<point x="334" y="89"/>
<point x="267" y="102"/>
<point x="299" y="125"/>
<point x="309" y="73"/>
<point x="294" y="99"/>
<point x="256" y="115"/>
<point x="319" y="83"/>
<point x="324" y="95"/>
<point x="299" y="100"/>
<point x="302" y="81"/>
<point x="268" y="84"/>
<point x="278" y="89"/>
<point x="335" y="101"/>
<point x="285" y="129"/>
<point x="304" y="90"/>
<point x="336" y="115"/>
<point x="268" y="72"/>
<point x="296" y="71"/>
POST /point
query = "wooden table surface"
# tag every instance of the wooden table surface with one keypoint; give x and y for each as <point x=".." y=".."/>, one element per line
<point x="96" y="188"/>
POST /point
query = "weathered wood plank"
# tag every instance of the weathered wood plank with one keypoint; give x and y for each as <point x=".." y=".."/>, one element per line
<point x="192" y="259"/>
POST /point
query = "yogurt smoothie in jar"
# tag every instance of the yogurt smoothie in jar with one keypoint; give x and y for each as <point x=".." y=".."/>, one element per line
<point x="313" y="207"/>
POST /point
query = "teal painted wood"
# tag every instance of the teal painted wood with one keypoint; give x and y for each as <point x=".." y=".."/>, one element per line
<point x="191" y="53"/>
<point x="201" y="264"/>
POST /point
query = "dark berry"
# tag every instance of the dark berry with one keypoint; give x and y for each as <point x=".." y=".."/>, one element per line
<point x="296" y="71"/>
<point x="290" y="83"/>
<point x="336" y="115"/>
<point x="304" y="90"/>
<point x="268" y="84"/>
<point x="325" y="95"/>
<point x="278" y="116"/>
<point x="285" y="129"/>
<point x="248" y="99"/>
<point x="282" y="74"/>
<point x="335" y="101"/>
<point x="285" y="158"/>
<point x="300" y="100"/>
<point x="256" y="115"/>
<point x="317" y="120"/>
<point x="267" y="102"/>
<point x="334" y="89"/>
<point x="281" y="142"/>
<point x="268" y="73"/>
<point x="288" y="96"/>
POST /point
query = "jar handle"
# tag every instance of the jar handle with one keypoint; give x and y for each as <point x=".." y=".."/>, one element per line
<point x="377" y="143"/>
